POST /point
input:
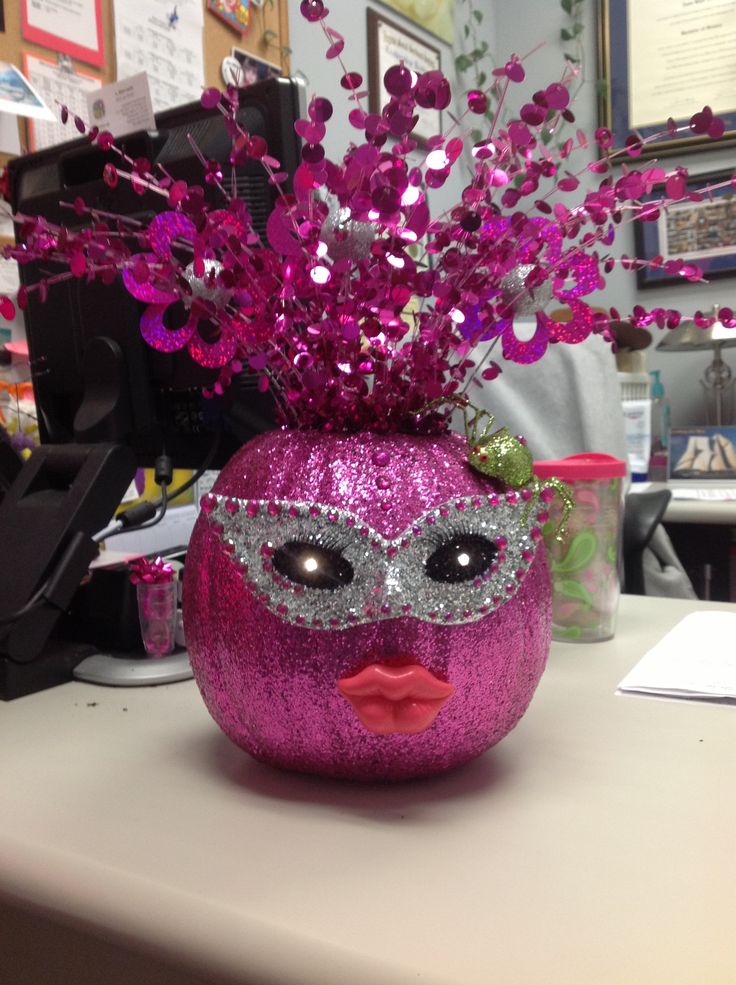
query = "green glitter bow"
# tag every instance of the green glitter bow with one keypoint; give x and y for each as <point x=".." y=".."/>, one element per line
<point x="499" y="455"/>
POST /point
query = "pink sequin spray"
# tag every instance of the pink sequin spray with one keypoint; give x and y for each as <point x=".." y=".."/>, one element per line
<point x="268" y="662"/>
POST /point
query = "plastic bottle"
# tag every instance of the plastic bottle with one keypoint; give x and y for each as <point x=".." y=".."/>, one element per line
<point x="637" y="407"/>
<point x="659" y="458"/>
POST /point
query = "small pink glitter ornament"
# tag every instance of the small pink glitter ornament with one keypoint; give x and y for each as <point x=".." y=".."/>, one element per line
<point x="364" y="606"/>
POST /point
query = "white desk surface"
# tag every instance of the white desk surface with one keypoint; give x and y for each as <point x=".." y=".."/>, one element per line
<point x="595" y="845"/>
<point x="721" y="512"/>
<point x="716" y="512"/>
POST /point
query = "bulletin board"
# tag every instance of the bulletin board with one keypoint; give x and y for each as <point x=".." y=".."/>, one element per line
<point x="267" y="39"/>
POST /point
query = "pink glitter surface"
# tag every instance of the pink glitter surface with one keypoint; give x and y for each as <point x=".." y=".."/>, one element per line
<point x="272" y="686"/>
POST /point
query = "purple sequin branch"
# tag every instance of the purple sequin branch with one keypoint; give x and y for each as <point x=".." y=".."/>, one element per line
<point x="361" y="310"/>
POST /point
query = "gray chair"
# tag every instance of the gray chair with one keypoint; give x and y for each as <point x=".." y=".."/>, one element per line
<point x="643" y="513"/>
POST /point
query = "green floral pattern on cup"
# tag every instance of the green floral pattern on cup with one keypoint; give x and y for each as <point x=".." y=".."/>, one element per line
<point x="584" y="564"/>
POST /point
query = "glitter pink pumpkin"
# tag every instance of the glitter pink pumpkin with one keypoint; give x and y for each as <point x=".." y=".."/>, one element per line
<point x="393" y="675"/>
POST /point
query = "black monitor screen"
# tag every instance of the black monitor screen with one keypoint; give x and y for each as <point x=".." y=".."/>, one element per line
<point x="94" y="377"/>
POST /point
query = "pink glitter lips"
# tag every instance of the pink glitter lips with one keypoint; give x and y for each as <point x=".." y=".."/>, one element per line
<point x="390" y="699"/>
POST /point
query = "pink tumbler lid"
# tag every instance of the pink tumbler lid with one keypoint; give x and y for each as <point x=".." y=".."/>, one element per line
<point x="588" y="465"/>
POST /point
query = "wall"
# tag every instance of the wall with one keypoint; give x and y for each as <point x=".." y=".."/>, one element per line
<point x="679" y="371"/>
<point x="308" y="56"/>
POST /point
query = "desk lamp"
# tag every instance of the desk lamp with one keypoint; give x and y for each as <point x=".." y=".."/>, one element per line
<point x="717" y="380"/>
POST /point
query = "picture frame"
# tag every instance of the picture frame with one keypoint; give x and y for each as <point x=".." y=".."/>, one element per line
<point x="700" y="230"/>
<point x="703" y="452"/>
<point x="388" y="44"/>
<point x="649" y="73"/>
<point x="242" y="68"/>
<point x="437" y="18"/>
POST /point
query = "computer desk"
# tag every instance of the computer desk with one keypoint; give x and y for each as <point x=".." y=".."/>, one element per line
<point x="595" y="845"/>
<point x="710" y="512"/>
<point x="702" y="533"/>
<point x="719" y="513"/>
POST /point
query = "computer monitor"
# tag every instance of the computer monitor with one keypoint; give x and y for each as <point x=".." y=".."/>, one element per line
<point x="94" y="377"/>
<point x="106" y="401"/>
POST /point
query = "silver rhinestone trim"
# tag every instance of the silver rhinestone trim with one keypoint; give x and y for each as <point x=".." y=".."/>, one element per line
<point x="389" y="575"/>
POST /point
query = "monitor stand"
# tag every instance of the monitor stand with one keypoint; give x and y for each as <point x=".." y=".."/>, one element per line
<point x="127" y="671"/>
<point x="49" y="516"/>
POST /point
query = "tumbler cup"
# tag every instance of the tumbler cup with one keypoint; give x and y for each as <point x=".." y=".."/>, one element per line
<point x="585" y="558"/>
<point x="157" y="615"/>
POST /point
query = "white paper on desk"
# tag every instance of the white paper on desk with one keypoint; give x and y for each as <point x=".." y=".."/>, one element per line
<point x="58" y="85"/>
<point x="173" y="531"/>
<point x="164" y="39"/>
<point x="696" y="659"/>
<point x="714" y="494"/>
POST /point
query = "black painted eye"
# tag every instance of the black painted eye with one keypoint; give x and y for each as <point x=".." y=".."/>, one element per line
<point x="312" y="565"/>
<point x="461" y="558"/>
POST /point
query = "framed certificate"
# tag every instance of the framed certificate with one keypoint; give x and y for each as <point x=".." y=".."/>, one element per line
<point x="389" y="44"/>
<point x="437" y="16"/>
<point x="663" y="60"/>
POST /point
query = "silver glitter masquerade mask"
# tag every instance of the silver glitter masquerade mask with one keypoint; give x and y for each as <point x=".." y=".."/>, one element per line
<point x="325" y="568"/>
